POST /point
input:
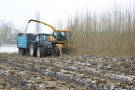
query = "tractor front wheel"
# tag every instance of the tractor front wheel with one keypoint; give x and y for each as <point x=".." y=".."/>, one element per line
<point x="56" y="51"/>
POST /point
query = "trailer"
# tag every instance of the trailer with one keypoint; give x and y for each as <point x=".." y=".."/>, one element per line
<point x="23" y="42"/>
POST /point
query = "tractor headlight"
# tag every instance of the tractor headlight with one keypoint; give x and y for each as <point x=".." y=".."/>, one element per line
<point x="49" y="46"/>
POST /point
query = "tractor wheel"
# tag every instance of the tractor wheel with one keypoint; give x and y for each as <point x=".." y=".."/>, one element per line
<point x="39" y="53"/>
<point x="31" y="50"/>
<point x="56" y="51"/>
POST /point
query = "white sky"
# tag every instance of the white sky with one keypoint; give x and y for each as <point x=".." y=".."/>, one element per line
<point x="54" y="12"/>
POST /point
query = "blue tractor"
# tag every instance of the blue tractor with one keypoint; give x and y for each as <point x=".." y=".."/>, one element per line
<point x="36" y="45"/>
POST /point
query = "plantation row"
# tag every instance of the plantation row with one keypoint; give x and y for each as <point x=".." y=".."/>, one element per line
<point x="111" y="34"/>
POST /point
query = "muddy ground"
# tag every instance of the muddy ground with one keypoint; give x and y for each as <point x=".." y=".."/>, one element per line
<point x="66" y="72"/>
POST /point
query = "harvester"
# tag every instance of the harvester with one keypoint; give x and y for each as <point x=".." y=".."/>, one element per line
<point x="43" y="44"/>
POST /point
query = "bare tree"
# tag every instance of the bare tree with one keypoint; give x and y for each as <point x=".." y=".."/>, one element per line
<point x="8" y="33"/>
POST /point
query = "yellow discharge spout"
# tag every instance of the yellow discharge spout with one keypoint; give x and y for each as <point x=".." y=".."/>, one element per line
<point x="52" y="27"/>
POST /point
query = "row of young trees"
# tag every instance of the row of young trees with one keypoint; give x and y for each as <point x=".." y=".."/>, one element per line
<point x="110" y="34"/>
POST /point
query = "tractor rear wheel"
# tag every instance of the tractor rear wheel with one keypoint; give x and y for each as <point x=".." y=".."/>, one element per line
<point x="39" y="53"/>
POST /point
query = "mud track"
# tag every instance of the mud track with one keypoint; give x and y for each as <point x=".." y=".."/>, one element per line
<point x="78" y="72"/>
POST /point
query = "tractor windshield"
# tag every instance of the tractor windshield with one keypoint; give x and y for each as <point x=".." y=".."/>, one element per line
<point x="60" y="36"/>
<point x="44" y="38"/>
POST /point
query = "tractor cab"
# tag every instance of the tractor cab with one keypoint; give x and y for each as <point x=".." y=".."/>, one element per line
<point x="61" y="36"/>
<point x="41" y="37"/>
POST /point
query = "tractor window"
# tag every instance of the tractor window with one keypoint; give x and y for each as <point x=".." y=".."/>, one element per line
<point x="44" y="38"/>
<point x="60" y="36"/>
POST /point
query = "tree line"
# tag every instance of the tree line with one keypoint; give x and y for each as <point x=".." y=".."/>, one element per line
<point x="8" y="33"/>
<point x="104" y="34"/>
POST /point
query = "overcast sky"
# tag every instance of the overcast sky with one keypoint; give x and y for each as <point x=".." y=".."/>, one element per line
<point x="53" y="11"/>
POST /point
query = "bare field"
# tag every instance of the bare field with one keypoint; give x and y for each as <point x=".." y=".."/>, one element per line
<point x="66" y="72"/>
